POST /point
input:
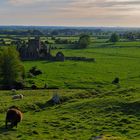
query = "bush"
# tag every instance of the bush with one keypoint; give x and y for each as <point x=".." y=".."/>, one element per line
<point x="116" y="81"/>
<point x="34" y="87"/>
<point x="19" y="85"/>
<point x="34" y="71"/>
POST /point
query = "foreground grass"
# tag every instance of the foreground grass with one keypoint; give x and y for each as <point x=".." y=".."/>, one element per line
<point x="82" y="115"/>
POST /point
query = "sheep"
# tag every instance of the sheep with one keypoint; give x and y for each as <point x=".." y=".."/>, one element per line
<point x="13" y="116"/>
<point x="18" y="96"/>
<point x="13" y="91"/>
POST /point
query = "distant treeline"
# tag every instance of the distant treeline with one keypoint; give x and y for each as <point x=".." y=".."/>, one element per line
<point x="56" y="32"/>
<point x="100" y="32"/>
<point x="45" y="30"/>
<point x="21" y="32"/>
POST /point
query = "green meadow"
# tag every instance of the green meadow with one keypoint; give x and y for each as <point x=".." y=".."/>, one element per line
<point x="110" y="62"/>
<point x="82" y="115"/>
<point x="90" y="106"/>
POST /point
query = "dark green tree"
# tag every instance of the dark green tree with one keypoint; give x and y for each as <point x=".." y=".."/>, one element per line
<point x="114" y="38"/>
<point x="84" y="41"/>
<point x="11" y="68"/>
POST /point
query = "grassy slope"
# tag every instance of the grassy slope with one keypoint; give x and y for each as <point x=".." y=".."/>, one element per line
<point x="82" y="115"/>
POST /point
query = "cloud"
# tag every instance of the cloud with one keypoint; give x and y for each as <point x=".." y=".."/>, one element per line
<point x="75" y="12"/>
<point x="31" y="2"/>
<point x="23" y="2"/>
<point x="104" y="7"/>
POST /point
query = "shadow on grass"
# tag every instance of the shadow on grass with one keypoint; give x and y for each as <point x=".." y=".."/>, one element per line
<point x="45" y="62"/>
<point x="130" y="108"/>
<point x="3" y="129"/>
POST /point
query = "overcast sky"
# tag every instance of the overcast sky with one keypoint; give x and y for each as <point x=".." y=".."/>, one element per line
<point x="70" y="12"/>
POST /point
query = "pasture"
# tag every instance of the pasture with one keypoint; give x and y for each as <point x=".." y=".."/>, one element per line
<point x="115" y="60"/>
<point x="90" y="104"/>
<point x="82" y="115"/>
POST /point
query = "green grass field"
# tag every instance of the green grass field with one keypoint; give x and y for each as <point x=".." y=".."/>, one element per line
<point x="82" y="115"/>
<point x="91" y="105"/>
<point x="111" y="62"/>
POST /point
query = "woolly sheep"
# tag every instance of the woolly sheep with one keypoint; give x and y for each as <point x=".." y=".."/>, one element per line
<point x="13" y="116"/>
<point x="18" y="96"/>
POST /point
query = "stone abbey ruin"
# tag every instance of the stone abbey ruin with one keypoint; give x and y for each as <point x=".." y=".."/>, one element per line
<point x="34" y="49"/>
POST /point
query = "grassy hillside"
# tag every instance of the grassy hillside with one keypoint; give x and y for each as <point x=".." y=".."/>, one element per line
<point x="82" y="115"/>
